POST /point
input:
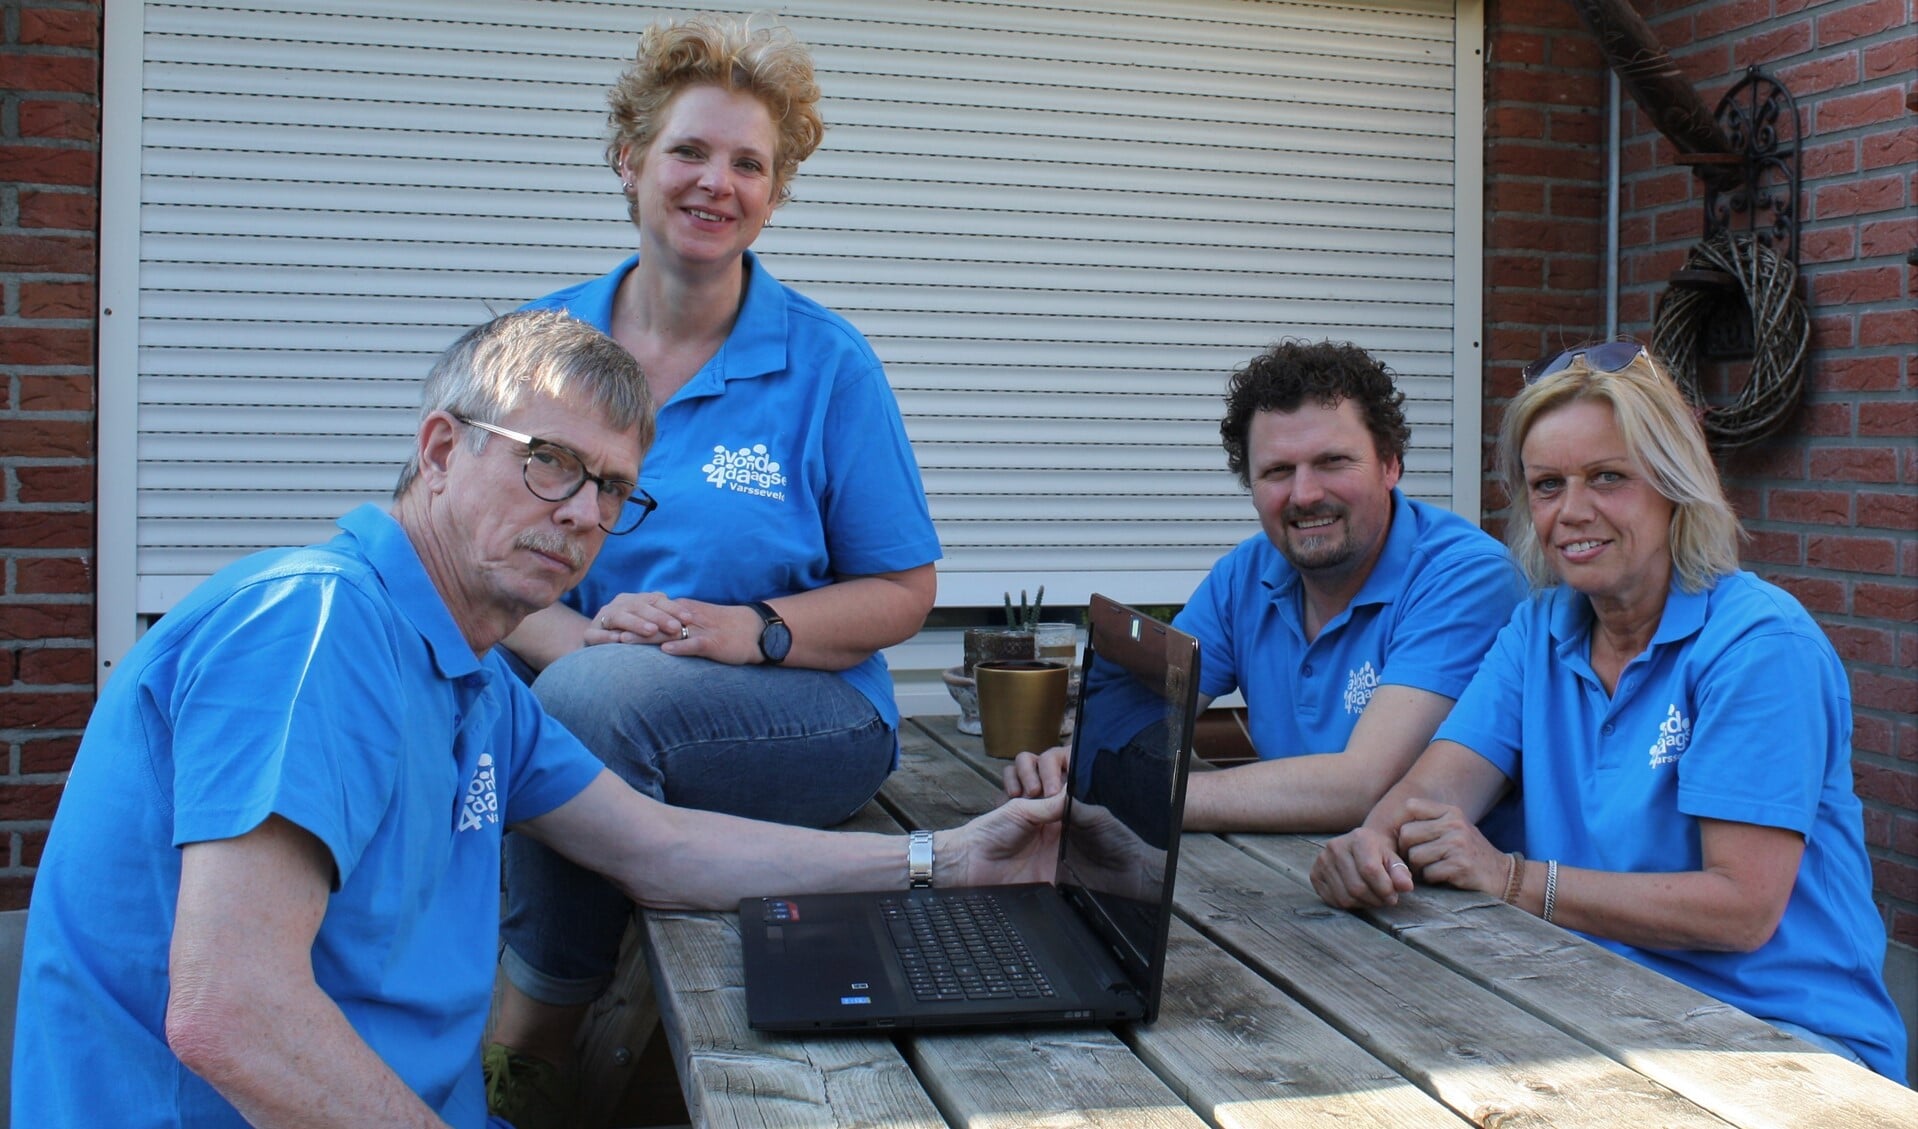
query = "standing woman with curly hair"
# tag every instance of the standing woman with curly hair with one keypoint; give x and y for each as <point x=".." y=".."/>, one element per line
<point x="725" y="655"/>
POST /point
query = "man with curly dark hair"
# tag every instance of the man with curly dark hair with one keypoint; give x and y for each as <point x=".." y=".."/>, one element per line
<point x="1351" y="622"/>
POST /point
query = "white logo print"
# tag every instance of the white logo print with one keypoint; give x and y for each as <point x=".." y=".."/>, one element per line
<point x="482" y="797"/>
<point x="749" y="470"/>
<point x="1359" y="686"/>
<point x="1674" y="733"/>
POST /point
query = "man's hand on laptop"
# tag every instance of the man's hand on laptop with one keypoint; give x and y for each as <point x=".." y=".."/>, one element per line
<point x="1037" y="774"/>
<point x="1018" y="841"/>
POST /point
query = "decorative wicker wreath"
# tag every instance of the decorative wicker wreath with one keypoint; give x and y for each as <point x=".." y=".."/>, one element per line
<point x="1781" y="335"/>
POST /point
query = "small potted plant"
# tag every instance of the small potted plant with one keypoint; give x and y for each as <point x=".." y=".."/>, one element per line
<point x="1018" y="639"/>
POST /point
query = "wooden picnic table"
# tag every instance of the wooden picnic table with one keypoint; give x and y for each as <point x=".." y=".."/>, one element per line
<point x="1448" y="1009"/>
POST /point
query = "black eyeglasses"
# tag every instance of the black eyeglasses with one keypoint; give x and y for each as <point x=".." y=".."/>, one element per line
<point x="1609" y="356"/>
<point x="555" y="473"/>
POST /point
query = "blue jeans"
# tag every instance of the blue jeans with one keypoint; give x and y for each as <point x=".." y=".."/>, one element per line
<point x="1819" y="1040"/>
<point x="787" y="745"/>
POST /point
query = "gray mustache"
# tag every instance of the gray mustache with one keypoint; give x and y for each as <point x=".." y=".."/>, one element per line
<point x="556" y="543"/>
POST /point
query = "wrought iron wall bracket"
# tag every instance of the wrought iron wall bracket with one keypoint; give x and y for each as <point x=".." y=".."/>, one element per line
<point x="1751" y="192"/>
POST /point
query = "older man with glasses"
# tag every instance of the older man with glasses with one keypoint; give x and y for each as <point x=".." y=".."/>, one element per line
<point x="271" y="893"/>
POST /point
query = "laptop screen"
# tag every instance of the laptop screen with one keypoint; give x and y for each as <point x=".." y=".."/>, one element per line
<point x="1132" y="735"/>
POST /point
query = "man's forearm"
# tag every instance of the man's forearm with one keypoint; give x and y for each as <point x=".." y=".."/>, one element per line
<point x="715" y="870"/>
<point x="294" y="1062"/>
<point x="243" y="1010"/>
<point x="677" y="858"/>
<point x="1324" y="792"/>
<point x="1317" y="793"/>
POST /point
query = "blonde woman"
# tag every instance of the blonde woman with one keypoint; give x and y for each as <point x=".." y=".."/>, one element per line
<point x="1680" y="730"/>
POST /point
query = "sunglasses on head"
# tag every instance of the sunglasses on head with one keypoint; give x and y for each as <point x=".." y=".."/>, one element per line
<point x="1611" y="356"/>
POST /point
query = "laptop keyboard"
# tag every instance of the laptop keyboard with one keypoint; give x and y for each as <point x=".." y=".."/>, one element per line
<point x="961" y="947"/>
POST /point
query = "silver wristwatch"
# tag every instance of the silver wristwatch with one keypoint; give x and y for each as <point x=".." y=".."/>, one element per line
<point x="919" y="860"/>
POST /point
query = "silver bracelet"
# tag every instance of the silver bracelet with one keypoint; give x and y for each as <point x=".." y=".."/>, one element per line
<point x="1551" y="888"/>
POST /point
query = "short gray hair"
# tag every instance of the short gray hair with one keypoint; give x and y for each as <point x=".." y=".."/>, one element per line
<point x="1661" y="435"/>
<point x="492" y="367"/>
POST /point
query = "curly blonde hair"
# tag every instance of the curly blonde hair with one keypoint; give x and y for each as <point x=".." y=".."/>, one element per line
<point x="709" y="50"/>
<point x="1661" y="435"/>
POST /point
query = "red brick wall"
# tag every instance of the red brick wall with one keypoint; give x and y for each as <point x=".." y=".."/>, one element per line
<point x="1544" y="193"/>
<point x="1832" y="504"/>
<point x="49" y="178"/>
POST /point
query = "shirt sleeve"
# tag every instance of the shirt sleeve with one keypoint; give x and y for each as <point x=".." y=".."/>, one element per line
<point x="549" y="765"/>
<point x="1757" y="751"/>
<point x="284" y="705"/>
<point x="1448" y="619"/>
<point x="875" y="508"/>
<point x="1486" y="717"/>
<point x="1207" y="617"/>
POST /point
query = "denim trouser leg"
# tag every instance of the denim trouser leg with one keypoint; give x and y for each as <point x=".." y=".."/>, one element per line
<point x="788" y="745"/>
<point x="1820" y="1040"/>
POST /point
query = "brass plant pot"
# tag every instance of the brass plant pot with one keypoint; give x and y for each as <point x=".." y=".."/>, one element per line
<point x="1022" y="703"/>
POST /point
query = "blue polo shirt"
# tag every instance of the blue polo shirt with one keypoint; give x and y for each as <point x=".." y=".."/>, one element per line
<point x="1739" y="710"/>
<point x="330" y="686"/>
<point x="1435" y="600"/>
<point x="781" y="467"/>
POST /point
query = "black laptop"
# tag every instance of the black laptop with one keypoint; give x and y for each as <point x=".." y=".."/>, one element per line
<point x="1089" y="948"/>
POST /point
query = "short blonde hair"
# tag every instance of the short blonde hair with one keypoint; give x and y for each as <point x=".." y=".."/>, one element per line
<point x="710" y="50"/>
<point x="1661" y="436"/>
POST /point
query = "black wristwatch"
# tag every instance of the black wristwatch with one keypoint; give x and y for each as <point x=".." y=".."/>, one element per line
<point x="775" y="638"/>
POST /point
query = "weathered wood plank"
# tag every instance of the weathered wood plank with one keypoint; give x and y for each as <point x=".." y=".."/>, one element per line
<point x="932" y="788"/>
<point x="873" y="817"/>
<point x="1045" y="1078"/>
<point x="1012" y="1079"/>
<point x="964" y="747"/>
<point x="1230" y="1044"/>
<point x="1247" y="1056"/>
<point x="971" y="751"/>
<point x="1494" y="1063"/>
<point x="614" y="1034"/>
<point x="735" y="1076"/>
<point x="1739" y="1067"/>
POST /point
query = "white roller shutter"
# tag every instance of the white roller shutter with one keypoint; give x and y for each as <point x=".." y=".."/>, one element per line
<point x="1060" y="224"/>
